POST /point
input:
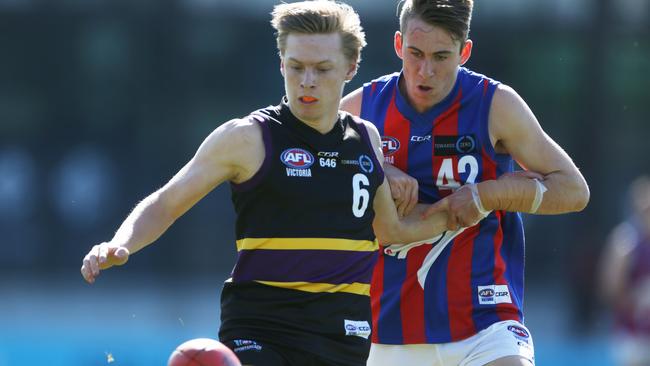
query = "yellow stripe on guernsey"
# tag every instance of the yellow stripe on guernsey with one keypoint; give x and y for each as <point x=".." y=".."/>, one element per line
<point x="307" y="244"/>
<point x="353" y="288"/>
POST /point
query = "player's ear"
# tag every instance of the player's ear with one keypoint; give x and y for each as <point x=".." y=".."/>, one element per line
<point x="466" y="52"/>
<point x="282" y="66"/>
<point x="352" y="70"/>
<point x="398" y="44"/>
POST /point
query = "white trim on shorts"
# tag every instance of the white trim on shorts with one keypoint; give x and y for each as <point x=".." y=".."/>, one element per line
<point x="502" y="339"/>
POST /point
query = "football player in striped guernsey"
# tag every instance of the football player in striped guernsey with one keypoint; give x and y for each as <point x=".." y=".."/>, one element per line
<point x="457" y="134"/>
<point x="307" y="186"/>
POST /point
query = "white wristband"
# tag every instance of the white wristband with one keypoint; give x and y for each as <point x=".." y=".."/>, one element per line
<point x="540" y="188"/>
<point x="477" y="200"/>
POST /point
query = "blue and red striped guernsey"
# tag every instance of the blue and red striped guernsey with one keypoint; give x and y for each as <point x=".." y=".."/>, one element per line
<point x="449" y="292"/>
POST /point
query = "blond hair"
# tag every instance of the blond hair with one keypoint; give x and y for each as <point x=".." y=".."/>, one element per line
<point x="320" y="17"/>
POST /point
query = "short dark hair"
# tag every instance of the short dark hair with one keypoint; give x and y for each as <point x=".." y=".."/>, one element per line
<point x="320" y="16"/>
<point x="452" y="15"/>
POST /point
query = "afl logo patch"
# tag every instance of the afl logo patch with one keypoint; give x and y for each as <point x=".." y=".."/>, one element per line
<point x="487" y="292"/>
<point x="519" y="332"/>
<point x="389" y="145"/>
<point x="297" y="158"/>
<point x="365" y="163"/>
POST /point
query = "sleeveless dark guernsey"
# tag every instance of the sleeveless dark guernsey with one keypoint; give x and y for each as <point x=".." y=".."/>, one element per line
<point x="306" y="248"/>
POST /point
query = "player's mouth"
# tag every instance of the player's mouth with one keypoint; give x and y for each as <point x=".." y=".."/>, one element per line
<point x="424" y="88"/>
<point x="308" y="100"/>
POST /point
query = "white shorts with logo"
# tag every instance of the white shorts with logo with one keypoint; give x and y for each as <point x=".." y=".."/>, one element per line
<point x="502" y="339"/>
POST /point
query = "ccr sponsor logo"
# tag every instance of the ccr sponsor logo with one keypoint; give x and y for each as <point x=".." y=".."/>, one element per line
<point x="420" y="138"/>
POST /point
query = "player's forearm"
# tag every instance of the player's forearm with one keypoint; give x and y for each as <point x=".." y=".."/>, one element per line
<point x="560" y="193"/>
<point x="421" y="229"/>
<point x="146" y="223"/>
<point x="413" y="228"/>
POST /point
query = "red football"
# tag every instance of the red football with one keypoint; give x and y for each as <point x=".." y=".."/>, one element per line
<point x="203" y="352"/>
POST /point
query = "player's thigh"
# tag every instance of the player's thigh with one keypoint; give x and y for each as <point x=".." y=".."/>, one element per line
<point x="506" y="343"/>
<point x="256" y="353"/>
<point x="511" y="361"/>
<point x="408" y="354"/>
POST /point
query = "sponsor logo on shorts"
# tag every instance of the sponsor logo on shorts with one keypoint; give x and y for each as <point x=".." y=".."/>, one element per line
<point x="357" y="328"/>
<point x="493" y="294"/>
<point x="519" y="332"/>
<point x="242" y="345"/>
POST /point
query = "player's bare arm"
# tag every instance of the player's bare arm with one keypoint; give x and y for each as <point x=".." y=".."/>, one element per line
<point x="351" y="103"/>
<point x="389" y="227"/>
<point x="233" y="152"/>
<point x="515" y="130"/>
<point x="403" y="187"/>
<point x="550" y="184"/>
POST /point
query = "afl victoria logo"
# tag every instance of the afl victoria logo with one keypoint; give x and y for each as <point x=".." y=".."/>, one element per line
<point x="297" y="158"/>
<point x="389" y="145"/>
<point x="486" y="292"/>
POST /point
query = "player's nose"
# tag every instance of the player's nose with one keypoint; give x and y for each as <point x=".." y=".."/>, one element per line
<point x="427" y="68"/>
<point x="308" y="79"/>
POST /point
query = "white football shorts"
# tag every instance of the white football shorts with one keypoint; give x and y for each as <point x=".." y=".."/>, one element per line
<point x="502" y="339"/>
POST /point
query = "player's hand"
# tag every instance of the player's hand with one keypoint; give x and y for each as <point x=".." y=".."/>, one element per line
<point x="442" y="206"/>
<point x="460" y="207"/>
<point x="403" y="189"/>
<point x="101" y="257"/>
